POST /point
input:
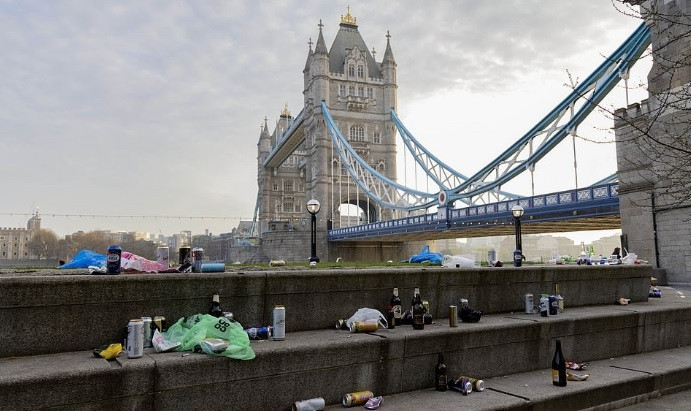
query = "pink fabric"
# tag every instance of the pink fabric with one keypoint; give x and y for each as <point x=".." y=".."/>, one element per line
<point x="132" y="263"/>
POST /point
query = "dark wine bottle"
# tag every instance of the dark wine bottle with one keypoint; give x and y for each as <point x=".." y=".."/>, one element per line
<point x="396" y="304"/>
<point x="558" y="367"/>
<point x="440" y="374"/>
<point x="418" y="312"/>
<point x="216" y="310"/>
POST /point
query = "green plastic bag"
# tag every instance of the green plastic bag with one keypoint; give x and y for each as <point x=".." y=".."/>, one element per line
<point x="192" y="330"/>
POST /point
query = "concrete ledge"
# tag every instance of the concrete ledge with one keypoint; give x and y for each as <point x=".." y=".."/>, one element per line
<point x="329" y="363"/>
<point x="80" y="312"/>
<point x="612" y="383"/>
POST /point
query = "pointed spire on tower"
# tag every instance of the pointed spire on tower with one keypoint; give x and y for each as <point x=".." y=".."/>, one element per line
<point x="321" y="44"/>
<point x="388" y="54"/>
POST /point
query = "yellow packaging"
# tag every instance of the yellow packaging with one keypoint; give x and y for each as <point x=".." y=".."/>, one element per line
<point x="112" y="351"/>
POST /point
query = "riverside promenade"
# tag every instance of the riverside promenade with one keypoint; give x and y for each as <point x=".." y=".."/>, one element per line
<point x="50" y="321"/>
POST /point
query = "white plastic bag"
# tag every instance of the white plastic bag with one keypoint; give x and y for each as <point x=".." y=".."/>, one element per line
<point x="457" y="261"/>
<point x="629" y="259"/>
<point x="367" y="315"/>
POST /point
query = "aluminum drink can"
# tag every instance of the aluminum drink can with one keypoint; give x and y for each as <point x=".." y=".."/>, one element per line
<point x="279" y="325"/>
<point x="464" y="303"/>
<point x="364" y="327"/>
<point x="553" y="305"/>
<point x="478" y="385"/>
<point x="259" y="333"/>
<point x="114" y="259"/>
<point x="544" y="306"/>
<point x="528" y="303"/>
<point x="160" y="323"/>
<point x="356" y="398"/>
<point x="148" y="331"/>
<point x="135" y="338"/>
<point x="163" y="256"/>
<point x="184" y="255"/>
<point x="461" y="385"/>
<point x="309" y="405"/>
<point x="197" y="257"/>
<point x="453" y="316"/>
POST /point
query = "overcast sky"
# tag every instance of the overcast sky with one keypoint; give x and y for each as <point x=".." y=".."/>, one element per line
<point x="138" y="107"/>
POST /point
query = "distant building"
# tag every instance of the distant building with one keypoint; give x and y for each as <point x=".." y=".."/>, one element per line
<point x="14" y="241"/>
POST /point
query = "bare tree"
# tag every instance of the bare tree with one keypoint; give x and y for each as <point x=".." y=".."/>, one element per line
<point x="43" y="244"/>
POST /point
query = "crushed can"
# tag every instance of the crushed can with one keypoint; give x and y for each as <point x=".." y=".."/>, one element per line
<point x="356" y="398"/>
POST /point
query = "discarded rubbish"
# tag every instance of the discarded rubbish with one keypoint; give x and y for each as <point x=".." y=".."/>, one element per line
<point x="192" y="331"/>
<point x="544" y="305"/>
<point x="109" y="352"/>
<point x="113" y="259"/>
<point x="373" y="403"/>
<point x="279" y="323"/>
<point x="478" y="385"/>
<point x="135" y="338"/>
<point x="163" y="256"/>
<point x="440" y="379"/>
<point x="427" y="255"/>
<point x="457" y="261"/>
<point x="160" y="323"/>
<point x="623" y="301"/>
<point x="655" y="292"/>
<point x="558" y="367"/>
<point x="367" y="315"/>
<point x="313" y="404"/>
<point x="461" y="385"/>
<point x="453" y="316"/>
<point x="529" y="305"/>
<point x="213" y="268"/>
<point x="341" y="324"/>
<point x="357" y="398"/>
<point x="197" y="258"/>
<point x="364" y="326"/>
<point x="148" y="326"/>
<point x="572" y="376"/>
<point x="277" y="263"/>
<point x="469" y="315"/>
<point x="161" y="344"/>
<point x="576" y="366"/>
<point x="214" y="345"/>
<point x="259" y="333"/>
<point x="184" y="257"/>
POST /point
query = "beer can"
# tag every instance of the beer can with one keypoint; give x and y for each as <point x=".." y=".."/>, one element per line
<point x="135" y="338"/>
<point x="309" y="405"/>
<point x="197" y="258"/>
<point x="364" y="327"/>
<point x="160" y="323"/>
<point x="148" y="331"/>
<point x="528" y="300"/>
<point x="184" y="255"/>
<point x="113" y="260"/>
<point x="544" y="305"/>
<point x="453" y="316"/>
<point x="356" y="398"/>
<point x="478" y="385"/>
<point x="163" y="256"/>
<point x="259" y="333"/>
<point x="279" y="325"/>
<point x="464" y="303"/>
<point x="461" y="385"/>
<point x="229" y="316"/>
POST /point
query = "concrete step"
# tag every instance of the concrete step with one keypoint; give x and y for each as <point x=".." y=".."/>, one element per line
<point x="613" y="383"/>
<point x="329" y="363"/>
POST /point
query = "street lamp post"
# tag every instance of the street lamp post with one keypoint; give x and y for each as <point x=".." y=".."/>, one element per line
<point x="517" y="212"/>
<point x="313" y="207"/>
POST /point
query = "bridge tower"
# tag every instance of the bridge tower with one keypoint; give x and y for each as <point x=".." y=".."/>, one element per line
<point x="359" y="92"/>
<point x="655" y="222"/>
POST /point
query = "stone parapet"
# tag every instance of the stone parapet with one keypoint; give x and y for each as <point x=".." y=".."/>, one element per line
<point x="79" y="312"/>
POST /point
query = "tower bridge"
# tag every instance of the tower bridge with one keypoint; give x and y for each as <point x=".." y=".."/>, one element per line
<point x="341" y="150"/>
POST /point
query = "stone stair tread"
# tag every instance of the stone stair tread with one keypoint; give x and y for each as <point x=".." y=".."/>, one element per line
<point x="611" y="380"/>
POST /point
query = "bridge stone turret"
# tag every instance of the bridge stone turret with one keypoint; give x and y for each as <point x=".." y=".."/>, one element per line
<point x="656" y="224"/>
<point x="359" y="92"/>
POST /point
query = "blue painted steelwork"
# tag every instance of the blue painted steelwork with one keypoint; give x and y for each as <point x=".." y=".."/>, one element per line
<point x="285" y="136"/>
<point x="443" y="175"/>
<point x="595" y="201"/>
<point x="599" y="83"/>
<point x="376" y="186"/>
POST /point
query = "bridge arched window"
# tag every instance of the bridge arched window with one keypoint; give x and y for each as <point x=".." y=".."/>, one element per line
<point x="376" y="137"/>
<point x="360" y="71"/>
<point x="381" y="166"/>
<point x="357" y="133"/>
<point x="342" y="90"/>
<point x="351" y="70"/>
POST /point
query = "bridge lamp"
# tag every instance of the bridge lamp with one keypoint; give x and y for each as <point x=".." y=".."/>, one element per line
<point x="517" y="212"/>
<point x="313" y="207"/>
